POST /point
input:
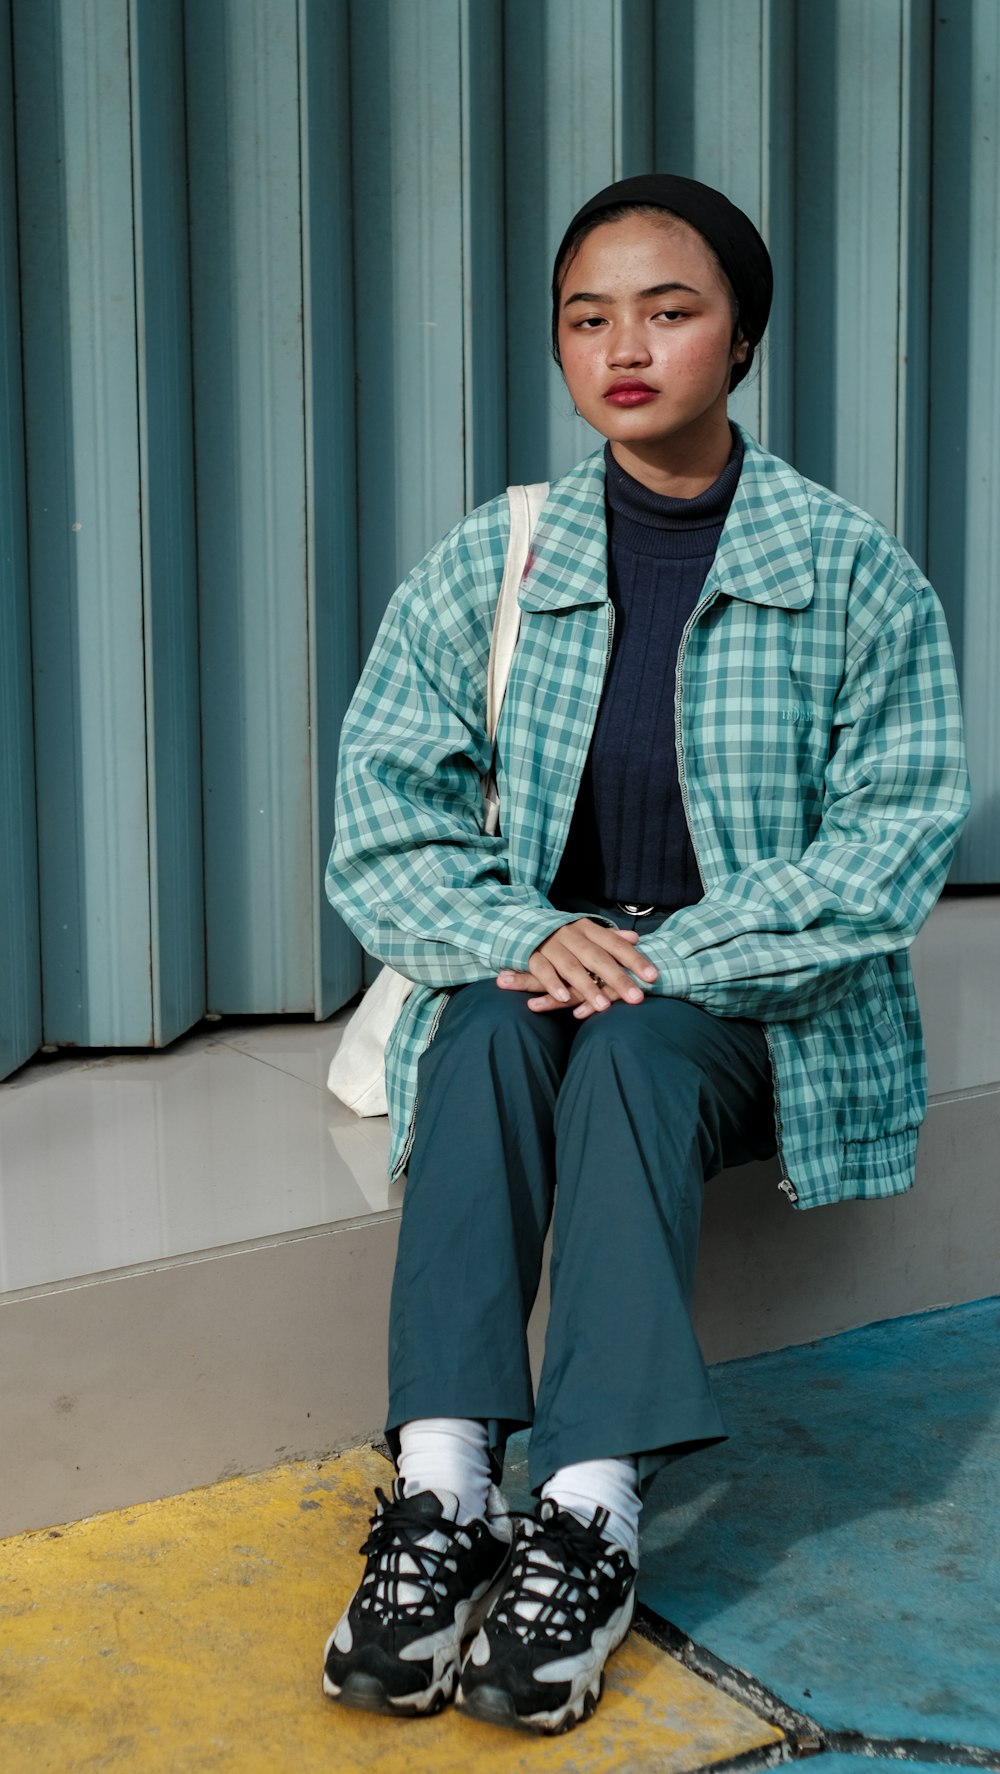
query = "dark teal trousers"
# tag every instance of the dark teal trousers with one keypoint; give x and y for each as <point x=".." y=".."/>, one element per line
<point x="609" y="1128"/>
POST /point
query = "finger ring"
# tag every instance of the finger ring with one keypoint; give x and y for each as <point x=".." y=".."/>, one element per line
<point x="598" y="981"/>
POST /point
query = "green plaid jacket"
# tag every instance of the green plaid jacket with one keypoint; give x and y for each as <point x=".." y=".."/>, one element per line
<point x="820" y="745"/>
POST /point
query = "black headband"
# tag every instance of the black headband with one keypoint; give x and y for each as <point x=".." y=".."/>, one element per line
<point x="731" y="235"/>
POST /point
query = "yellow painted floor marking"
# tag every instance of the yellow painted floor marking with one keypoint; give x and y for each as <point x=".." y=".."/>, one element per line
<point x="188" y="1634"/>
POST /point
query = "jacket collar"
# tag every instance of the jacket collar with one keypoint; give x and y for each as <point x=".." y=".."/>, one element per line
<point x="764" y="554"/>
<point x="568" y="563"/>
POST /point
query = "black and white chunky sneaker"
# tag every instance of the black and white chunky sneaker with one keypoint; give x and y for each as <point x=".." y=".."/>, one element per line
<point x="567" y="1602"/>
<point x="428" y="1584"/>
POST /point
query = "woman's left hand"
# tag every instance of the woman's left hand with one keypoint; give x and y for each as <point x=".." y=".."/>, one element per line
<point x="526" y="982"/>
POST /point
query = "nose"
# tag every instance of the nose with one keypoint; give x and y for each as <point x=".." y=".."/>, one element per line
<point x="627" y="347"/>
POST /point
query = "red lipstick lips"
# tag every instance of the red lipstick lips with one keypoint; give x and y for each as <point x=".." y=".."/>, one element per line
<point x="630" y="393"/>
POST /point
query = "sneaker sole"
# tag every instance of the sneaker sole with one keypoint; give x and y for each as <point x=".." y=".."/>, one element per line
<point x="495" y="1706"/>
<point x="367" y="1694"/>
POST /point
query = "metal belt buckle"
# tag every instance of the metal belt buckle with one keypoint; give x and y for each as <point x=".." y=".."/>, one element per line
<point x="634" y="911"/>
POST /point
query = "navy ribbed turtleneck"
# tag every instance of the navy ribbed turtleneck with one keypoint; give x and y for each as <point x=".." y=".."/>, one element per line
<point x="629" y="838"/>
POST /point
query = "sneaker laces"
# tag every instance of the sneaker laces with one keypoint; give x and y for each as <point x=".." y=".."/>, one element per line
<point x="406" y="1555"/>
<point x="559" y="1566"/>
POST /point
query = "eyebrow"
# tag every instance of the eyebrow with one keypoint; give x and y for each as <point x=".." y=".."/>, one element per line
<point x="658" y="289"/>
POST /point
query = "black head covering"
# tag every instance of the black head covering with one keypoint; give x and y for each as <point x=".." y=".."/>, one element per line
<point x="731" y="235"/>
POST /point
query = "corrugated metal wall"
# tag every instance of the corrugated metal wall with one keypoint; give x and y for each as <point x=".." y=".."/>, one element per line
<point x="20" y="976"/>
<point x="273" y="277"/>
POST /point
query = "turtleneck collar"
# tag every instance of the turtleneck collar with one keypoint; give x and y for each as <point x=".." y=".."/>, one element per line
<point x="653" y="523"/>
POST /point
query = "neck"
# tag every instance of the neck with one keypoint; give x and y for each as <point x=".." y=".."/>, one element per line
<point x="681" y="467"/>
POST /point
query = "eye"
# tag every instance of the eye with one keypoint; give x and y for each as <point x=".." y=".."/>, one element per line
<point x="672" y="314"/>
<point x="589" y="323"/>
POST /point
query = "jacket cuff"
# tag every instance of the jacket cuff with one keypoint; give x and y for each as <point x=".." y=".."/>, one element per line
<point x="672" y="980"/>
<point x="523" y="933"/>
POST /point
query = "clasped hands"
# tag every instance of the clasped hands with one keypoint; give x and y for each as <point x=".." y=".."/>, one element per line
<point x="583" y="965"/>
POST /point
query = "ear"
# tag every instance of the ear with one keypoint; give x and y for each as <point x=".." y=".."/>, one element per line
<point x="740" y="350"/>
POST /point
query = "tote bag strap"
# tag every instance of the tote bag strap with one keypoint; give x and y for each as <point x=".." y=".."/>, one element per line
<point x="525" y="505"/>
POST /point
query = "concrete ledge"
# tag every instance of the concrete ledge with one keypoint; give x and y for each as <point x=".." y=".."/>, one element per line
<point x="128" y="1387"/>
<point x="770" y="1275"/>
<point x="144" y="1385"/>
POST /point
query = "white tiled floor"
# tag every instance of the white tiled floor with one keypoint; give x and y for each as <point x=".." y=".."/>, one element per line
<point x="219" y="1140"/>
<point x="231" y="1136"/>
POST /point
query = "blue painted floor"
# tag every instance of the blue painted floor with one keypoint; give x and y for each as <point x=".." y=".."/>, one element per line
<point x="835" y="1762"/>
<point x="843" y="1547"/>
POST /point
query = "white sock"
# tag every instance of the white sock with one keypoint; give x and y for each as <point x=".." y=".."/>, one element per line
<point x="602" y="1484"/>
<point x="447" y="1454"/>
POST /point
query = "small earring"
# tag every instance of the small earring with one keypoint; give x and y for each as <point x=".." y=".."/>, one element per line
<point x="578" y="412"/>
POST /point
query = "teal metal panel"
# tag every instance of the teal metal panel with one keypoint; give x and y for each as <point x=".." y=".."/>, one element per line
<point x="79" y="319"/>
<point x="777" y="224"/>
<point x="484" y="297"/>
<point x="20" y="979"/>
<point x="709" y="73"/>
<point x="914" y="278"/>
<point x="579" y="88"/>
<point x="331" y="481"/>
<point x="429" y="254"/>
<point x="242" y="61"/>
<point x="851" y="75"/>
<point x="407" y="64"/>
<point x="964" y="515"/>
<point x="166" y="465"/>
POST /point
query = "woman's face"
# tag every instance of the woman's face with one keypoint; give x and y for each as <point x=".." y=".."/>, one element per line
<point x="645" y="336"/>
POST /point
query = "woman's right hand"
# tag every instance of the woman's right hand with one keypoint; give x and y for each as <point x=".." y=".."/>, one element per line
<point x="584" y="964"/>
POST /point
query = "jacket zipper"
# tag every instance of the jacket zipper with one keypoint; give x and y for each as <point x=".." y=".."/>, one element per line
<point x="411" y="1130"/>
<point x="786" y="1185"/>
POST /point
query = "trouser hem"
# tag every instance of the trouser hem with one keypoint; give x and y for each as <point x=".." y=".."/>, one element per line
<point x="688" y="1435"/>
